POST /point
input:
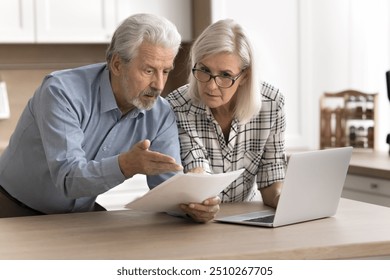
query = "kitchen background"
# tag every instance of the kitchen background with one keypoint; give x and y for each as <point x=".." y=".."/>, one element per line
<point x="306" y="48"/>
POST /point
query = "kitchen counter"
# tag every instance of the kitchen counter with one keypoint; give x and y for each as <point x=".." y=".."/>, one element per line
<point x="371" y="164"/>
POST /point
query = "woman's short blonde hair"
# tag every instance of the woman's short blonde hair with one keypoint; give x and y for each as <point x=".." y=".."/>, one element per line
<point x="227" y="36"/>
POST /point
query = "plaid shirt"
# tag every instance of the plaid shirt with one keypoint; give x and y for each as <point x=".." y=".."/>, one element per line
<point x="257" y="146"/>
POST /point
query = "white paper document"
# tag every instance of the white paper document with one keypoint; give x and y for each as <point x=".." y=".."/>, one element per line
<point x="183" y="188"/>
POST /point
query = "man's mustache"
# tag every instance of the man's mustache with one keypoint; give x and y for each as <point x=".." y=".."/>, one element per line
<point x="151" y="93"/>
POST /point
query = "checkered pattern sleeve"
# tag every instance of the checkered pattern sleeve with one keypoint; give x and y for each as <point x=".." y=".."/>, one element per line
<point x="273" y="160"/>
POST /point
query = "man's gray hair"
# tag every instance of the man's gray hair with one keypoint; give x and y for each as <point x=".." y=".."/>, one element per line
<point x="138" y="28"/>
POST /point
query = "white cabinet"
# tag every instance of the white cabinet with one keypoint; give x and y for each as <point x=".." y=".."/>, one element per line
<point x="74" y="21"/>
<point x="177" y="11"/>
<point x="16" y="21"/>
<point x="87" y="21"/>
<point x="367" y="189"/>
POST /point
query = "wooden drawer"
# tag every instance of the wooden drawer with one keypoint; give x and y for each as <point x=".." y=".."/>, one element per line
<point x="367" y="189"/>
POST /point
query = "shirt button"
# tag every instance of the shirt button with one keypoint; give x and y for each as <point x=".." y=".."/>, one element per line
<point x="105" y="148"/>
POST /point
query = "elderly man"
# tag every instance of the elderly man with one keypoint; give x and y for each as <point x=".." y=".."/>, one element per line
<point x="88" y="129"/>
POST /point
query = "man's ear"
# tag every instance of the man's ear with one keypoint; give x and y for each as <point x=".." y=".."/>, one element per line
<point x="116" y="64"/>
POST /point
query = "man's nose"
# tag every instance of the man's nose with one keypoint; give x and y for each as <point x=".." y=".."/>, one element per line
<point x="158" y="82"/>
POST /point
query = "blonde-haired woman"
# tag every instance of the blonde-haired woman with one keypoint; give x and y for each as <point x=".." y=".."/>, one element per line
<point x="228" y="119"/>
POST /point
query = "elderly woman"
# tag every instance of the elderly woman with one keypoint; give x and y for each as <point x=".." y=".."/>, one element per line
<point x="228" y="120"/>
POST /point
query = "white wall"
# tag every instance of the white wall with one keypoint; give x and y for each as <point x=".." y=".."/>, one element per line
<point x="351" y="49"/>
<point x="311" y="47"/>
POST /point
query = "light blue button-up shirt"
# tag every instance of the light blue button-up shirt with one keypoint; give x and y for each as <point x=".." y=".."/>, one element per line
<point x="64" y="150"/>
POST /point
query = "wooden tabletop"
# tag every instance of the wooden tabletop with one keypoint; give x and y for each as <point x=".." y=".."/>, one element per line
<point x="358" y="230"/>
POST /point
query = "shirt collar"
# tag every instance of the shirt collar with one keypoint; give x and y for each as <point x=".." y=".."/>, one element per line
<point x="108" y="101"/>
<point x="135" y="112"/>
<point x="197" y="107"/>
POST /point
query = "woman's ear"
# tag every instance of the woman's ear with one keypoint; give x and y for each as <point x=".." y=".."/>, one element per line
<point x="244" y="78"/>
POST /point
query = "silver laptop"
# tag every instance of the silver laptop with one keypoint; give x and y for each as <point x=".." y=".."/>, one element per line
<point x="311" y="190"/>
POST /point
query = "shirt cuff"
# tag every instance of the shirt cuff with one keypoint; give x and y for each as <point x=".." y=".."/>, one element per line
<point x="112" y="172"/>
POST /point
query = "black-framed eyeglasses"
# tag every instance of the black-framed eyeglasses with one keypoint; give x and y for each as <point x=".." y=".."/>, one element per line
<point x="221" y="81"/>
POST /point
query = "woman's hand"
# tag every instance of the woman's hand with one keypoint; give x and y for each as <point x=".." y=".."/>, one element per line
<point x="202" y="212"/>
<point x="205" y="211"/>
<point x="271" y="194"/>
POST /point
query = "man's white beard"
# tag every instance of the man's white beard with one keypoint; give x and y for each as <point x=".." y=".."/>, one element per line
<point x="146" y="105"/>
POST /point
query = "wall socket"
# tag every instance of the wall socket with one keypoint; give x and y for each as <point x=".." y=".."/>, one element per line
<point x="4" y="104"/>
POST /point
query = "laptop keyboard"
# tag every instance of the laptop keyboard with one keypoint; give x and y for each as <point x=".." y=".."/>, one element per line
<point x="265" y="219"/>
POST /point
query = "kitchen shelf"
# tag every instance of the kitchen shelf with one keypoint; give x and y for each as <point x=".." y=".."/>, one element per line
<point x="348" y="119"/>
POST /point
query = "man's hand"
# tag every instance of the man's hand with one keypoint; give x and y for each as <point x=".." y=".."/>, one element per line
<point x="140" y="160"/>
<point x="202" y="212"/>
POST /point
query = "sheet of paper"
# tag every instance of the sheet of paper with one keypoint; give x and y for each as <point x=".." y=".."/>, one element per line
<point x="183" y="188"/>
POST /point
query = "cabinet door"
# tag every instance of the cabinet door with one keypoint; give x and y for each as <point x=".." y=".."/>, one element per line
<point x="177" y="11"/>
<point x="367" y="189"/>
<point x="16" y="21"/>
<point x="74" y="21"/>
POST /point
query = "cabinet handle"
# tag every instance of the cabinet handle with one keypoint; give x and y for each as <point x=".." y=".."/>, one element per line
<point x="374" y="186"/>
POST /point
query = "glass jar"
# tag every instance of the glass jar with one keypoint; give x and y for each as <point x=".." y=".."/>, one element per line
<point x="351" y="106"/>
